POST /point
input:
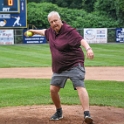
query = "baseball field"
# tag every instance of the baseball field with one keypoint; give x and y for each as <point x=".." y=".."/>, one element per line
<point x="25" y="72"/>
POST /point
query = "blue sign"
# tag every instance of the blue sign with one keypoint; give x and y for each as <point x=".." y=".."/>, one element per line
<point x="120" y="35"/>
<point x="35" y="39"/>
<point x="9" y="6"/>
<point x="12" y="19"/>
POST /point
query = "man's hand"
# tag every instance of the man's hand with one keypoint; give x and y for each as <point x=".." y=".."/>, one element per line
<point x="90" y="54"/>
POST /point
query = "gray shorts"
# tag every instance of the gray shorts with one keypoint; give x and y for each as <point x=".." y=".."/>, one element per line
<point x="75" y="74"/>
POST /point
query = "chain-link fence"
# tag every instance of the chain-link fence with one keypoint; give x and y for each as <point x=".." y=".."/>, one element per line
<point x="111" y="35"/>
<point x="18" y="35"/>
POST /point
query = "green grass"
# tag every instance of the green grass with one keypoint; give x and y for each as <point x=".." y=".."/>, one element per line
<point x="25" y="56"/>
<point x="107" y="55"/>
<point x="22" y="92"/>
<point x="39" y="55"/>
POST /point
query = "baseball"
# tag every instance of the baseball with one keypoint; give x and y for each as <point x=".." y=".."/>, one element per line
<point x="29" y="33"/>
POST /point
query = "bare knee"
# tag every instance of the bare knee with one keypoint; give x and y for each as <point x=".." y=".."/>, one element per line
<point x="54" y="89"/>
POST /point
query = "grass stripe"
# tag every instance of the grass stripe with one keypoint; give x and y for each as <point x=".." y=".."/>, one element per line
<point x="39" y="55"/>
<point x="18" y="92"/>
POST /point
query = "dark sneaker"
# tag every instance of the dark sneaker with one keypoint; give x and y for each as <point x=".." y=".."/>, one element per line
<point x="88" y="120"/>
<point x="57" y="116"/>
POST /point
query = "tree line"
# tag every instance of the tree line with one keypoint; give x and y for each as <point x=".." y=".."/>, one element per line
<point x="79" y="14"/>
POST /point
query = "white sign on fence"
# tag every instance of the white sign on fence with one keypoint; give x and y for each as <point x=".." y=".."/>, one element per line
<point x="6" y="37"/>
<point x="95" y="35"/>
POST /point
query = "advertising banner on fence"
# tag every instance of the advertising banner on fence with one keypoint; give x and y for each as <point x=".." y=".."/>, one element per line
<point x="35" y="39"/>
<point x="95" y="35"/>
<point x="120" y="35"/>
<point x="6" y="36"/>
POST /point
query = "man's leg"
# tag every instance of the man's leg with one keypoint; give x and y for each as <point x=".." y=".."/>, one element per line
<point x="84" y="99"/>
<point x="54" y="91"/>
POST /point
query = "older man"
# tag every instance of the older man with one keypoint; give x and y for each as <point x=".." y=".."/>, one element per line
<point x="67" y="62"/>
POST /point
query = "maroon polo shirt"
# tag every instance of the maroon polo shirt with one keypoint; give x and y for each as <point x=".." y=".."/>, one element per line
<point x="65" y="48"/>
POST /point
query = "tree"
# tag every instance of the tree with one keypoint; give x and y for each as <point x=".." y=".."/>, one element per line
<point x="62" y="3"/>
<point x="69" y="3"/>
<point x="37" y="15"/>
<point x="120" y="12"/>
<point x="37" y="1"/>
<point x="106" y="7"/>
<point x="88" y="5"/>
<point x="113" y="9"/>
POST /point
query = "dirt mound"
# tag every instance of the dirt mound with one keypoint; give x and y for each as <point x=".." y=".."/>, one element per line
<point x="72" y="115"/>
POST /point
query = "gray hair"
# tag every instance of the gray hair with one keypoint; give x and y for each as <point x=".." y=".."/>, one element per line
<point x="53" y="13"/>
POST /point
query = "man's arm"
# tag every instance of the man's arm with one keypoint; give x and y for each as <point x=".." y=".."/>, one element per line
<point x="89" y="50"/>
<point x="40" y="32"/>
